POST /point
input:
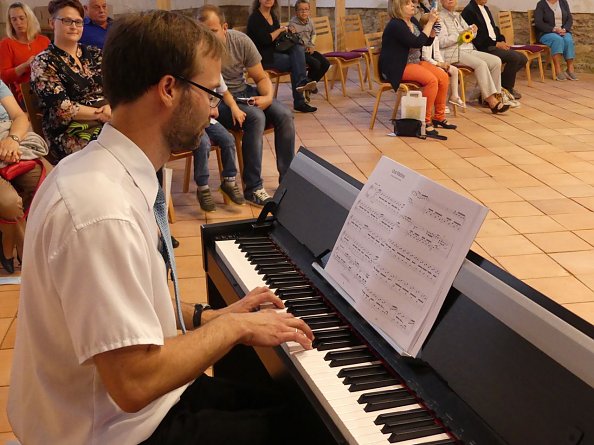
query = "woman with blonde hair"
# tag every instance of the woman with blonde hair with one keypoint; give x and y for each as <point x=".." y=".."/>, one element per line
<point x="22" y="44"/>
<point x="400" y="60"/>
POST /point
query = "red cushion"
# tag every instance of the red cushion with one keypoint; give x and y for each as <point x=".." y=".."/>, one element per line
<point x="343" y="55"/>
<point x="530" y="48"/>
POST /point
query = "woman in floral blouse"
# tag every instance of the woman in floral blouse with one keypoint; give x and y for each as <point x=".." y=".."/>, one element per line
<point x="67" y="79"/>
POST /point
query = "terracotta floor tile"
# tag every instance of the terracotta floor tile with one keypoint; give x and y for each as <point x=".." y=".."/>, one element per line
<point x="531" y="266"/>
<point x="189" y="266"/>
<point x="578" y="263"/>
<point x="4" y="325"/>
<point x="5" y="365"/>
<point x="560" y="179"/>
<point x="8" y="342"/>
<point x="497" y="246"/>
<point x="575" y="191"/>
<point x="495" y="227"/>
<point x="534" y="224"/>
<point x="182" y="229"/>
<point x="586" y="202"/>
<point x="587" y="235"/>
<point x="558" y="242"/>
<point x="558" y="206"/>
<point x="4" y="425"/>
<point x="584" y="310"/>
<point x="9" y="303"/>
<point x="534" y="193"/>
<point x="506" y="209"/>
<point x="5" y="437"/>
<point x="496" y="195"/>
<point x="562" y="289"/>
<point x="576" y="221"/>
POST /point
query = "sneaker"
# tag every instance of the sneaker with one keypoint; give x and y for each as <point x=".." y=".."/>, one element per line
<point x="306" y="85"/>
<point x="571" y="76"/>
<point x="305" y="108"/>
<point x="516" y="94"/>
<point x="232" y="193"/>
<point x="205" y="200"/>
<point x="508" y="99"/>
<point x="561" y="76"/>
<point x="259" y="197"/>
<point x="457" y="101"/>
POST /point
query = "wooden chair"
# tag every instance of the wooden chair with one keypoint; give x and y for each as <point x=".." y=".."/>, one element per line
<point x="463" y="70"/>
<point x="382" y="19"/>
<point x="354" y="40"/>
<point x="340" y="60"/>
<point x="374" y="43"/>
<point x="33" y="109"/>
<point x="533" y="41"/>
<point x="532" y="52"/>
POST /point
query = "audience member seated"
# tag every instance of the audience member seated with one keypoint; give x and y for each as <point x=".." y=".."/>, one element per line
<point x="262" y="109"/>
<point x="264" y="29"/>
<point x="17" y="50"/>
<point x="300" y="24"/>
<point x="487" y="67"/>
<point x="400" y="60"/>
<point x="97" y="23"/>
<point x="17" y="146"/>
<point x="217" y="134"/>
<point x="490" y="40"/>
<point x="553" y="22"/>
<point x="67" y="79"/>
<point x="432" y="55"/>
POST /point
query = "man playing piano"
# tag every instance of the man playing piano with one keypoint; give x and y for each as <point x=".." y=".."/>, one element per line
<point x="97" y="357"/>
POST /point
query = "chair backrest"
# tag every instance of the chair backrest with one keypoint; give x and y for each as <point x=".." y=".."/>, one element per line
<point x="373" y="42"/>
<point x="33" y="108"/>
<point x="382" y="19"/>
<point x="531" y="27"/>
<point x="324" y="39"/>
<point x="352" y="32"/>
<point x="506" y="26"/>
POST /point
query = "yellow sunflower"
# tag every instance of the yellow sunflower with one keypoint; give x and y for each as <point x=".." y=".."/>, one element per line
<point x="465" y="37"/>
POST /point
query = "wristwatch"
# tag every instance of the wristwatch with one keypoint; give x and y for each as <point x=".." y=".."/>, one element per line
<point x="14" y="137"/>
<point x="197" y="318"/>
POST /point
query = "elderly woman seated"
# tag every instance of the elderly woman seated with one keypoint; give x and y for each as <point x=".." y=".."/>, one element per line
<point x="67" y="79"/>
<point x="19" y="175"/>
<point x="553" y="22"/>
<point x="487" y="67"/>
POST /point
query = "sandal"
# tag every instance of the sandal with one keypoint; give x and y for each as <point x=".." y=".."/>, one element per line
<point x="499" y="108"/>
<point x="458" y="102"/>
<point x="444" y="124"/>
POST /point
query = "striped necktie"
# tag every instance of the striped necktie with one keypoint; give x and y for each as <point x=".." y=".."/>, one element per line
<point x="167" y="249"/>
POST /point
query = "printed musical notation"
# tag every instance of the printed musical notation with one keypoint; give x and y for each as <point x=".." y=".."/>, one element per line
<point x="400" y="248"/>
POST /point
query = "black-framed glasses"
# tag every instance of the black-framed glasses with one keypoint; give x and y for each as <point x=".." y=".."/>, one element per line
<point x="214" y="98"/>
<point x="68" y="22"/>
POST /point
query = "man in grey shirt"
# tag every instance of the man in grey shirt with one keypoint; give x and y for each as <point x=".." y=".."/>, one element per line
<point x="263" y="110"/>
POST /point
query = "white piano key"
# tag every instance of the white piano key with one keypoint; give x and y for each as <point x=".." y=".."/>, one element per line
<point x="244" y="273"/>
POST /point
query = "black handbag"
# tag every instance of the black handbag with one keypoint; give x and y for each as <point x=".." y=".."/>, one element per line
<point x="286" y="41"/>
<point x="408" y="127"/>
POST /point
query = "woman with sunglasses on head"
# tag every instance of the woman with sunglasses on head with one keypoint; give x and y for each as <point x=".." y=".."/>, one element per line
<point x="67" y="79"/>
<point x="22" y="44"/>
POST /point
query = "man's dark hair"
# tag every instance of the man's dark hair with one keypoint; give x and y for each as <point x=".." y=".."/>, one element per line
<point x="55" y="5"/>
<point x="142" y="48"/>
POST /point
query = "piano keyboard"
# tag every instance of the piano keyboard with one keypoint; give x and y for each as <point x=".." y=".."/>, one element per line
<point x="367" y="402"/>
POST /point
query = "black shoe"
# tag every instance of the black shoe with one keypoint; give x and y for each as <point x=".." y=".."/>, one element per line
<point x="444" y="124"/>
<point x="305" y="108"/>
<point x="499" y="108"/>
<point x="315" y="90"/>
<point x="516" y="94"/>
<point x="7" y="264"/>
<point x="434" y="134"/>
<point x="174" y="242"/>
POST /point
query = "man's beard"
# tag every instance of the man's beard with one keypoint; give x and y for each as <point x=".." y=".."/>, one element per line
<point x="180" y="134"/>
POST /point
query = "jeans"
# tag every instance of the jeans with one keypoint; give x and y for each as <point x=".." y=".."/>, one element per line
<point x="221" y="137"/>
<point x="318" y="65"/>
<point x="278" y="116"/>
<point x="292" y="61"/>
<point x="559" y="45"/>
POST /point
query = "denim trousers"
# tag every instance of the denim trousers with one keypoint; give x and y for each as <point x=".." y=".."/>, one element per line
<point x="217" y="135"/>
<point x="276" y="115"/>
<point x="292" y="61"/>
<point x="559" y="45"/>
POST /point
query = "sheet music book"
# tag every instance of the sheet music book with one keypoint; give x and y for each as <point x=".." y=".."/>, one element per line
<point x="400" y="249"/>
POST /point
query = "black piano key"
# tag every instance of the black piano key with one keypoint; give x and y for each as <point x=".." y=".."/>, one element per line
<point x="336" y="344"/>
<point x="263" y="269"/>
<point x="414" y="413"/>
<point x="288" y="273"/>
<point x="273" y="262"/>
<point x="296" y="284"/>
<point x="349" y="357"/>
<point x="322" y="321"/>
<point x="387" y="404"/>
<point x="378" y="396"/>
<point x="267" y="255"/>
<point x="258" y="248"/>
<point x="297" y="293"/>
<point x="362" y="370"/>
<point x="422" y="431"/>
<point x="252" y="239"/>
<point x="407" y="425"/>
<point x="442" y="442"/>
<point x="304" y="312"/>
<point x="363" y="383"/>
<point x="287" y="282"/>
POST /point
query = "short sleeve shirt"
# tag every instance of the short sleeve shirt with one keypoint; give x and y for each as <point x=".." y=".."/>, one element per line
<point x="4" y="92"/>
<point x="242" y="53"/>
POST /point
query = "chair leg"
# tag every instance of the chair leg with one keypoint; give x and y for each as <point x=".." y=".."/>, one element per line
<point x="399" y="94"/>
<point x="326" y="87"/>
<point x="369" y="70"/>
<point x="187" y="170"/>
<point x="528" y="74"/>
<point x="217" y="150"/>
<point x="238" y="135"/>
<point x="171" y="211"/>
<point x="361" y="81"/>
<point x="540" y="68"/>
<point x="376" y="107"/>
<point x="276" y="86"/>
<point x="342" y="81"/>
<point x="461" y="88"/>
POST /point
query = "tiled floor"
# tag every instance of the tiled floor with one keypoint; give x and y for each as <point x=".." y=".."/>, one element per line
<point x="533" y="167"/>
